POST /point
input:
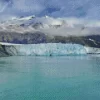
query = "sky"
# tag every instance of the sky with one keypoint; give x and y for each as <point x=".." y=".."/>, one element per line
<point x="89" y="9"/>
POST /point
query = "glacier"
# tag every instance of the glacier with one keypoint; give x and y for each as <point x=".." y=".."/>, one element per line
<point x="47" y="49"/>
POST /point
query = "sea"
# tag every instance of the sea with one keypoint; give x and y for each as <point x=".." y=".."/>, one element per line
<point x="50" y="78"/>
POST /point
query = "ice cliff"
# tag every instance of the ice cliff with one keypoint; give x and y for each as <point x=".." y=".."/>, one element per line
<point x="50" y="49"/>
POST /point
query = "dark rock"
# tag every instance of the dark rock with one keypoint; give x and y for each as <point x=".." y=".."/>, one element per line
<point x="38" y="37"/>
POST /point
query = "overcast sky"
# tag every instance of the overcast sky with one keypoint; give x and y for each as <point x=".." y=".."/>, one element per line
<point x="57" y="8"/>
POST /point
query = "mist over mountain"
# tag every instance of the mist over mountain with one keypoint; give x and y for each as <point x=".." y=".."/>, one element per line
<point x="50" y="21"/>
<point x="89" y="9"/>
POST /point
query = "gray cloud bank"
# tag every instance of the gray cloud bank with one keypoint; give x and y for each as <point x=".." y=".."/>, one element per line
<point x="89" y="9"/>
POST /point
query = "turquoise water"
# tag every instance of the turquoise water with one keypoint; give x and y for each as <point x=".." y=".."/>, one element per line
<point x="50" y="78"/>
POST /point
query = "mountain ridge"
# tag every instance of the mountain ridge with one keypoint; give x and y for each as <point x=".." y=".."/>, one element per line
<point x="35" y="30"/>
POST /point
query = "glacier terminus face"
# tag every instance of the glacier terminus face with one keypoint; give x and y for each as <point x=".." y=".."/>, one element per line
<point x="49" y="49"/>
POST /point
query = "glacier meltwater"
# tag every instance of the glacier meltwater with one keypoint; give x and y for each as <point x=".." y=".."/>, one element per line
<point x="49" y="49"/>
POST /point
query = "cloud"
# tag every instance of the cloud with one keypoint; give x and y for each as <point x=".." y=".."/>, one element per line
<point x="68" y="26"/>
<point x="27" y="6"/>
<point x="20" y="7"/>
<point x="56" y="8"/>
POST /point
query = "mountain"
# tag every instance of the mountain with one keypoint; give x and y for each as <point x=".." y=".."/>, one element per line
<point x="35" y="30"/>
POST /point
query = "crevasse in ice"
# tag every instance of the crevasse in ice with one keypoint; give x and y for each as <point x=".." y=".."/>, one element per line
<point x="49" y="49"/>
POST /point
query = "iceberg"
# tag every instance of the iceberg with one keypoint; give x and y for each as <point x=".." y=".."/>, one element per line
<point x="46" y="49"/>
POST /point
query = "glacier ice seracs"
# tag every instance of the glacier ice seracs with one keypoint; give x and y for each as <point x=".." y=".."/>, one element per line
<point x="49" y="49"/>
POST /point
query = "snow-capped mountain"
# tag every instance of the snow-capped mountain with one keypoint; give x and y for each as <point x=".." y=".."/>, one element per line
<point x="32" y="29"/>
<point x="52" y="26"/>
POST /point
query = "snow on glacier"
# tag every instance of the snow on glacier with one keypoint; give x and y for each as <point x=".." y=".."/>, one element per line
<point x="49" y="49"/>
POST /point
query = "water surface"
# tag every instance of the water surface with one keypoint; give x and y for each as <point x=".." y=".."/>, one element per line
<point x="50" y="78"/>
